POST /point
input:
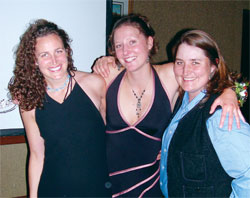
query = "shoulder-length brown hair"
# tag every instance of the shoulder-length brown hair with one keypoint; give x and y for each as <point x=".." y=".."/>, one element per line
<point x="221" y="78"/>
<point x="28" y="85"/>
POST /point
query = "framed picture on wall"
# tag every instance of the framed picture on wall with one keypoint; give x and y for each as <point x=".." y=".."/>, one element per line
<point x="121" y="7"/>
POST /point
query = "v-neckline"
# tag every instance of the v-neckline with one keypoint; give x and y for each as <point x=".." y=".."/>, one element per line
<point x="148" y="108"/>
<point x="67" y="98"/>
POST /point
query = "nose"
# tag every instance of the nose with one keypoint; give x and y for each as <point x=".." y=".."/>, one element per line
<point x="186" y="69"/>
<point x="125" y="49"/>
<point x="54" y="59"/>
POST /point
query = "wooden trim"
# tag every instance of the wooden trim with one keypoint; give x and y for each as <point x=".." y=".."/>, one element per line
<point x="130" y="6"/>
<point x="12" y="140"/>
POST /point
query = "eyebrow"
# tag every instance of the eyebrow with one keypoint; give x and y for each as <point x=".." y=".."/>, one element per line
<point x="193" y="59"/>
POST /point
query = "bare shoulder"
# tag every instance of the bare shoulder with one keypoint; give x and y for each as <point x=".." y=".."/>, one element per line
<point x="27" y="115"/>
<point x="167" y="77"/>
<point x="91" y="83"/>
<point x="165" y="69"/>
<point x="88" y="78"/>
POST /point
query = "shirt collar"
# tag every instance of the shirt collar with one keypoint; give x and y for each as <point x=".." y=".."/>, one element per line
<point x="189" y="105"/>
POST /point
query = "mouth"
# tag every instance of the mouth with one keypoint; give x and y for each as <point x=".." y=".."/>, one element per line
<point x="130" y="59"/>
<point x="188" y="78"/>
<point x="55" y="69"/>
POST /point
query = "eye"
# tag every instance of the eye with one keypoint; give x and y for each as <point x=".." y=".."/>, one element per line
<point x="132" y="42"/>
<point x="117" y="46"/>
<point x="195" y="63"/>
<point x="60" y="51"/>
<point x="43" y="55"/>
<point x="178" y="62"/>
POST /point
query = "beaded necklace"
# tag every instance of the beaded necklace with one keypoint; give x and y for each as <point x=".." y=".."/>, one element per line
<point x="59" y="88"/>
<point x="139" y="99"/>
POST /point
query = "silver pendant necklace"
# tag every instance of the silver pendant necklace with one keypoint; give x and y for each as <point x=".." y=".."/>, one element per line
<point x="138" y="104"/>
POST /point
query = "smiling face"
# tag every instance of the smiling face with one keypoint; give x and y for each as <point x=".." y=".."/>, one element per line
<point x="192" y="69"/>
<point x="131" y="47"/>
<point x="51" y="57"/>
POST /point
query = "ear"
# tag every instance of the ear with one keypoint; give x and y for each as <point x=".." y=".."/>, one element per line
<point x="213" y="69"/>
<point x="150" y="42"/>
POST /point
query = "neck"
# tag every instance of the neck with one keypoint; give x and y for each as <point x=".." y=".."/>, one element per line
<point x="137" y="79"/>
<point x="59" y="87"/>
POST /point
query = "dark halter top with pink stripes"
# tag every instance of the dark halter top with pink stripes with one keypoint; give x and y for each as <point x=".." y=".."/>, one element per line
<point x="132" y="149"/>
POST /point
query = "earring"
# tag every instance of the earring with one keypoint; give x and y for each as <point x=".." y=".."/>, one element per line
<point x="119" y="66"/>
<point x="147" y="60"/>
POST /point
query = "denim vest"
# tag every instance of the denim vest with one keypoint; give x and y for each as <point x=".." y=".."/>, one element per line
<point x="194" y="169"/>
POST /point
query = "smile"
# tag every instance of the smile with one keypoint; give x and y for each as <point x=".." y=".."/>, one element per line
<point x="54" y="69"/>
<point x="130" y="59"/>
<point x="188" y="78"/>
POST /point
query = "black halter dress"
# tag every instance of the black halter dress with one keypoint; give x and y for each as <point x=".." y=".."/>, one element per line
<point x="132" y="149"/>
<point x="75" y="151"/>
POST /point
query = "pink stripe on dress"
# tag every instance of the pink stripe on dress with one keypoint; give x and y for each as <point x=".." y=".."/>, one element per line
<point x="137" y="130"/>
<point x="138" y="184"/>
<point x="132" y="169"/>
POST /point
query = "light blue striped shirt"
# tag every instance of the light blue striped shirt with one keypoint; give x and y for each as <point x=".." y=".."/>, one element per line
<point x="232" y="148"/>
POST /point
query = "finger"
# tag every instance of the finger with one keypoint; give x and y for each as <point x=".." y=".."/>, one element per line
<point x="222" y="118"/>
<point x="241" y="115"/>
<point x="106" y="71"/>
<point x="213" y="107"/>
<point x="111" y="60"/>
<point x="230" y="120"/>
<point x="103" y="71"/>
<point x="237" y="118"/>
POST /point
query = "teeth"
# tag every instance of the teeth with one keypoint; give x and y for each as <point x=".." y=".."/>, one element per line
<point x="55" y="68"/>
<point x="130" y="59"/>
<point x="188" y="78"/>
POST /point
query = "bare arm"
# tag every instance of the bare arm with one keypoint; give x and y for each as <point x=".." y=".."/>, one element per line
<point x="36" y="146"/>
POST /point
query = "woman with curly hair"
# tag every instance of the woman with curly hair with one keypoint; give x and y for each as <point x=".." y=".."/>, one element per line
<point x="63" y="114"/>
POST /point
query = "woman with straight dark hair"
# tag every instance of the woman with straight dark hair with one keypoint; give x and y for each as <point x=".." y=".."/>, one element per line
<point x="198" y="158"/>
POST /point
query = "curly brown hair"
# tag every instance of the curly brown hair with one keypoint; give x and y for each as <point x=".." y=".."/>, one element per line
<point x="139" y="22"/>
<point x="28" y="85"/>
<point x="222" y="77"/>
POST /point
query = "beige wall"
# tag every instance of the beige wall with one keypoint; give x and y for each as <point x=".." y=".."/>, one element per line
<point x="221" y="19"/>
<point x="12" y="170"/>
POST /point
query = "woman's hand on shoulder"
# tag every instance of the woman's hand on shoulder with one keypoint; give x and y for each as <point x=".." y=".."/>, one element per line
<point x="228" y="101"/>
<point x="106" y="67"/>
<point x="103" y="64"/>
